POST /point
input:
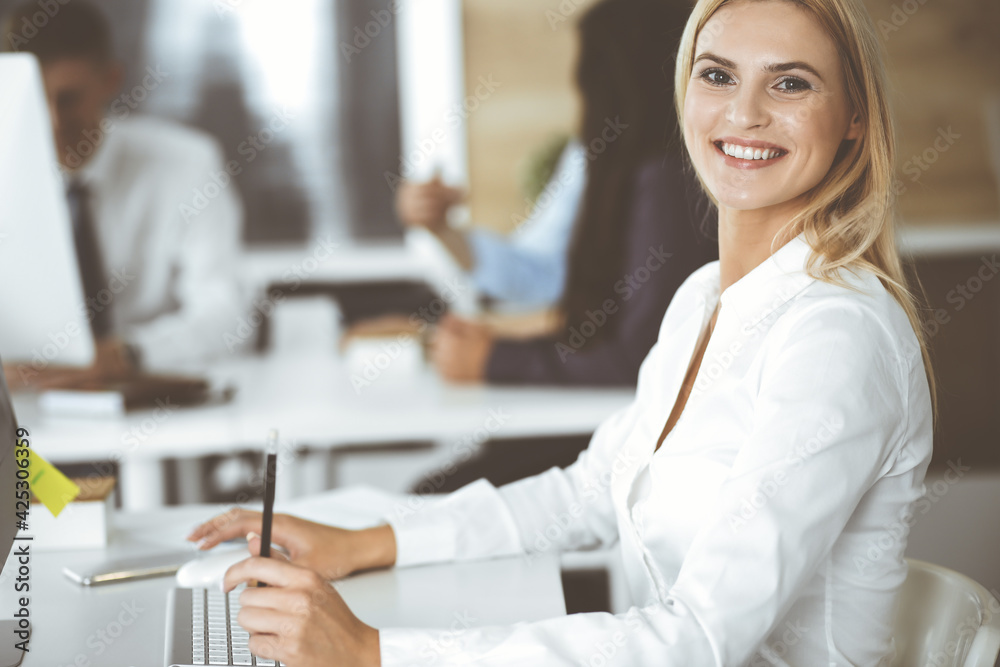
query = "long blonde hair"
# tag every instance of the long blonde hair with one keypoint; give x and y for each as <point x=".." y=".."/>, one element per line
<point x="849" y="217"/>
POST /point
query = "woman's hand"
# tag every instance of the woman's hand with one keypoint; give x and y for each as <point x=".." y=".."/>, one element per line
<point x="331" y="552"/>
<point x="460" y="349"/>
<point x="299" y="618"/>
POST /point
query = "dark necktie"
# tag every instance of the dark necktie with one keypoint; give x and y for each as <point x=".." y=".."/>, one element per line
<point x="88" y="257"/>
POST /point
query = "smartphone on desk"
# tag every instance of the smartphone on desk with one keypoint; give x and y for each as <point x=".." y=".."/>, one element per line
<point x="128" y="568"/>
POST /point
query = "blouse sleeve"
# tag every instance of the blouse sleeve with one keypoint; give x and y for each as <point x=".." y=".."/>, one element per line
<point x="481" y="521"/>
<point x="831" y="373"/>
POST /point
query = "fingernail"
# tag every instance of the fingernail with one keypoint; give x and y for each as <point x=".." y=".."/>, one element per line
<point x="251" y="535"/>
<point x="200" y="544"/>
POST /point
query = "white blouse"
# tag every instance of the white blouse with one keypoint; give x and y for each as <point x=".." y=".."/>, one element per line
<point x="770" y="526"/>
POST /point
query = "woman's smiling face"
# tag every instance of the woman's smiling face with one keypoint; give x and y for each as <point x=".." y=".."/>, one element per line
<point x="766" y="107"/>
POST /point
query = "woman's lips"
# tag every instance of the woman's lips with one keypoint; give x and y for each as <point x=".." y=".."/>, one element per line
<point x="762" y="157"/>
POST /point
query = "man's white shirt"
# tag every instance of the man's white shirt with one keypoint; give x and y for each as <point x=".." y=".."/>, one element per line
<point x="169" y="234"/>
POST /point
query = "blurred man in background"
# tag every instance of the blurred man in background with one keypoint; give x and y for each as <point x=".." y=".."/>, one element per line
<point x="158" y="265"/>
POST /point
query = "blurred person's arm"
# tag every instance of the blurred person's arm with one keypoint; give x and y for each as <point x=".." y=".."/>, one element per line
<point x="206" y="288"/>
<point x="529" y="265"/>
<point x="112" y="361"/>
<point x="426" y="205"/>
<point x="460" y="349"/>
<point x="483" y="521"/>
<point x="659" y="226"/>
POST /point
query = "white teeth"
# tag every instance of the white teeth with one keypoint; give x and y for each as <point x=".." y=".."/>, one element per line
<point x="747" y="153"/>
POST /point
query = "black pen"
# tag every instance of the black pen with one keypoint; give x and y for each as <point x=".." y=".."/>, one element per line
<point x="270" y="473"/>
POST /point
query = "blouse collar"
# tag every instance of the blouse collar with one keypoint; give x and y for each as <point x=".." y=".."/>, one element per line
<point x="770" y="285"/>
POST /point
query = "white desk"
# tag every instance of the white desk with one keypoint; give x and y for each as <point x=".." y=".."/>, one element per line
<point x="345" y="262"/>
<point x="309" y="397"/>
<point x="74" y="625"/>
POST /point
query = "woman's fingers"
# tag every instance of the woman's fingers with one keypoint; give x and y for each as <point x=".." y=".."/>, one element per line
<point x="266" y="646"/>
<point x="299" y="618"/>
<point x="271" y="571"/>
<point x="274" y="598"/>
<point x="266" y="620"/>
<point x="234" y="523"/>
<point x="254" y="544"/>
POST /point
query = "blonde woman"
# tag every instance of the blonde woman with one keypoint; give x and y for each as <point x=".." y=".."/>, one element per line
<point x="760" y="483"/>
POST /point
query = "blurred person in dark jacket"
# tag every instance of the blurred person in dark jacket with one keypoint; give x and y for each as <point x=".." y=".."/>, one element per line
<point x="635" y="237"/>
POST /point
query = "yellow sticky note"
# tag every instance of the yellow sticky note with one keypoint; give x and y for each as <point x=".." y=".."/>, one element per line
<point x="50" y="486"/>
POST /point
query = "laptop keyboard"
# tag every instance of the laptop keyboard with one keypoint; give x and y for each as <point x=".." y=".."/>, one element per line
<point x="216" y="637"/>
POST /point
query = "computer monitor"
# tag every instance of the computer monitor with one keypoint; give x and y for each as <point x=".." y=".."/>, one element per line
<point x="44" y="319"/>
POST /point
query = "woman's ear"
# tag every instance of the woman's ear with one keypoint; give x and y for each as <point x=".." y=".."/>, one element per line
<point x="854" y="128"/>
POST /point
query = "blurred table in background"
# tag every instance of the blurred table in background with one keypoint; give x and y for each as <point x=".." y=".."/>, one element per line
<point x="310" y="398"/>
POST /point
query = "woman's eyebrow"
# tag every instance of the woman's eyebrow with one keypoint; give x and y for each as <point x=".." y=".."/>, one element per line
<point x="719" y="59"/>
<point x="772" y="68"/>
<point x="795" y="64"/>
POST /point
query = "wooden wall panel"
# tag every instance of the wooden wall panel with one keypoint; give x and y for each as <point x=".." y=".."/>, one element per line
<point x="944" y="63"/>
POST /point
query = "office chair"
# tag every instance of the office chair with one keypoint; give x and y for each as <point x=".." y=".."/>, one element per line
<point x="945" y="619"/>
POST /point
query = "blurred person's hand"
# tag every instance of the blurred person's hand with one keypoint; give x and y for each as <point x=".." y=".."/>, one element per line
<point x="460" y="349"/>
<point x="299" y="618"/>
<point x="112" y="361"/>
<point x="331" y="552"/>
<point x="426" y="204"/>
<point x="382" y="326"/>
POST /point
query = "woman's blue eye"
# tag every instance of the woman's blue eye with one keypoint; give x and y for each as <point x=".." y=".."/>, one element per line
<point x="794" y="85"/>
<point x="716" y="77"/>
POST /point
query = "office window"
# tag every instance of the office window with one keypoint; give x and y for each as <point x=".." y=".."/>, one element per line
<point x="310" y="131"/>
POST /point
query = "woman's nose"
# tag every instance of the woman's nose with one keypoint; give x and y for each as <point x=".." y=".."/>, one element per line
<point x="748" y="108"/>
